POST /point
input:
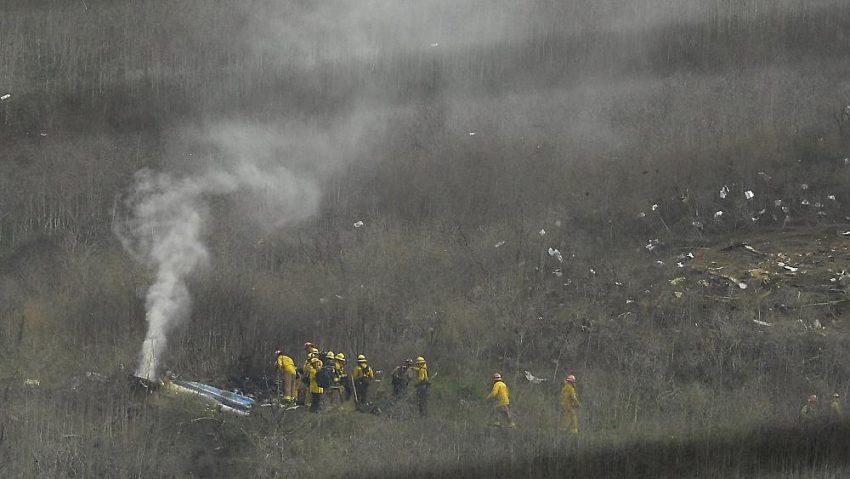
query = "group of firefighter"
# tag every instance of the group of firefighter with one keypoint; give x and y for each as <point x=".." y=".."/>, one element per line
<point x="324" y="377"/>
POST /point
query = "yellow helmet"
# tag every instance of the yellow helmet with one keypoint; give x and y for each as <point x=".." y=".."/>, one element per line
<point x="340" y="357"/>
<point x="312" y="355"/>
<point x="314" y="360"/>
<point x="314" y="350"/>
<point x="361" y="358"/>
<point x="420" y="360"/>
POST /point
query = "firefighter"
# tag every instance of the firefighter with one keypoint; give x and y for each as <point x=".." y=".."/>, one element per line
<point x="334" y="392"/>
<point x="499" y="393"/>
<point x="287" y="368"/>
<point x="809" y="412"/>
<point x="569" y="404"/>
<point x="363" y="376"/>
<point x="836" y="411"/>
<point x="316" y="392"/>
<point x="344" y="378"/>
<point x="401" y="378"/>
<point x="304" y="387"/>
<point x="422" y="382"/>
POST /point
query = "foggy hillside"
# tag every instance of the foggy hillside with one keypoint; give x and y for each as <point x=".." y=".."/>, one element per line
<point x="496" y="185"/>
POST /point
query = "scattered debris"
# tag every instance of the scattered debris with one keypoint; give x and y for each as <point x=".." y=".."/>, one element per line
<point x="558" y="273"/>
<point x="717" y="215"/>
<point x="762" y="323"/>
<point x="764" y="176"/>
<point x="831" y="197"/>
<point x="43" y="134"/>
<point x="697" y="224"/>
<point x="471" y="133"/>
<point x="655" y="207"/>
<point x="787" y="267"/>
<point x="435" y="45"/>
<point x="534" y="379"/>
<point x="5" y="97"/>
<point x="358" y="224"/>
<point x="760" y="274"/>
<point x="556" y="254"/>
<point x="542" y="232"/>
<point x="749" y="194"/>
<point x="777" y="203"/>
<point x="678" y="294"/>
<point x="804" y="186"/>
<point x="641" y="215"/>
<point x="659" y="262"/>
<point x="679" y="264"/>
<point x="724" y="192"/>
<point x="677" y="280"/>
<point x="592" y="271"/>
<point x="227" y="401"/>
<point x="32" y="382"/>
<point x="652" y="244"/>
<point x="499" y="244"/>
<point x="630" y="301"/>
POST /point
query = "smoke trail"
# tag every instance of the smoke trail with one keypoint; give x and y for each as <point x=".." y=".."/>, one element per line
<point x="272" y="170"/>
<point x="166" y="233"/>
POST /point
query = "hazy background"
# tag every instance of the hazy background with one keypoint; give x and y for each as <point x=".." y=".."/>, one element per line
<point x="447" y="128"/>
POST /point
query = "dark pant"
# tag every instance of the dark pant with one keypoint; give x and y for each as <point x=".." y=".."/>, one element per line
<point x="362" y="390"/>
<point x="422" y="397"/>
<point x="316" y="405"/>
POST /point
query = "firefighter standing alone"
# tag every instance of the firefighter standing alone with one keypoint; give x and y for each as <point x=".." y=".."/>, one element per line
<point x="569" y="403"/>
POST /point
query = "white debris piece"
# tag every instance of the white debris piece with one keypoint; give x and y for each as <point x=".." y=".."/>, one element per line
<point x="32" y="382"/>
<point x="678" y="294"/>
<point x="724" y="191"/>
<point x="697" y="224"/>
<point x="652" y="244"/>
<point x="558" y="273"/>
<point x="680" y="265"/>
<point x="787" y="267"/>
<point x="434" y="45"/>
<point x="764" y="176"/>
<point x="777" y="203"/>
<point x="655" y="207"/>
<point x="805" y="202"/>
<point x="846" y="233"/>
<point x="641" y="215"/>
<point x="831" y="197"/>
<point x="592" y="271"/>
<point x="533" y="379"/>
<point x="846" y="161"/>
<point x="630" y="301"/>
<point x="557" y="254"/>
<point x="542" y="232"/>
<point x="749" y="194"/>
<point x="786" y="209"/>
<point x="471" y="133"/>
<point x="804" y="186"/>
<point x="323" y="300"/>
<point x="659" y="262"/>
<point x="5" y="97"/>
<point x="42" y="134"/>
<point x="718" y="214"/>
<point x="499" y="244"/>
<point x="762" y="323"/>
<point x="358" y="224"/>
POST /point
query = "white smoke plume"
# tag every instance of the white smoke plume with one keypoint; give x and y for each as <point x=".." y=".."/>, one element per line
<point x="273" y="171"/>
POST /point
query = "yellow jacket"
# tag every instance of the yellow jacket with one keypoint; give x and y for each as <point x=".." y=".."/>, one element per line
<point x="340" y="368"/>
<point x="286" y="364"/>
<point x="500" y="393"/>
<point x="361" y="372"/>
<point x="311" y="371"/>
<point x="569" y="399"/>
<point x="421" y="374"/>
